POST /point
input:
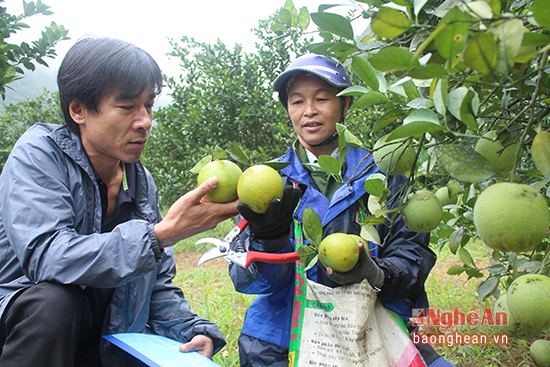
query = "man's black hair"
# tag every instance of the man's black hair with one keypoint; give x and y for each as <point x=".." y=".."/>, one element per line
<point x="96" y="67"/>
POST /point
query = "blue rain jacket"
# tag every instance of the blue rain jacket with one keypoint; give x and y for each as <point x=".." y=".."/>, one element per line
<point x="405" y="258"/>
<point x="50" y="231"/>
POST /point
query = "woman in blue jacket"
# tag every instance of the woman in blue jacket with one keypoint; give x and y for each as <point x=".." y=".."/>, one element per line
<point x="308" y="90"/>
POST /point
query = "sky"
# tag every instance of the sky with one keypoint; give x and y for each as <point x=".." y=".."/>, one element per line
<point x="149" y="24"/>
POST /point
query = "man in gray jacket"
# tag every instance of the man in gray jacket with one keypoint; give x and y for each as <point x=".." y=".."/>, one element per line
<point x="84" y="251"/>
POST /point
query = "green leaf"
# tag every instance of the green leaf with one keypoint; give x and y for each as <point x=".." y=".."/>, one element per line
<point x="509" y="35"/>
<point x="285" y="17"/>
<point x="313" y="228"/>
<point x="418" y="5"/>
<point x="497" y="269"/>
<point x="440" y="96"/>
<point x="330" y="165"/>
<point x="465" y="256"/>
<point x="451" y="40"/>
<point x="364" y="70"/>
<point x="463" y="103"/>
<point x="347" y="138"/>
<point x="541" y="13"/>
<point x="355" y="90"/>
<point x="532" y="39"/>
<point x="333" y="23"/>
<point x="390" y="116"/>
<point x="219" y="153"/>
<point x="418" y="122"/>
<point x="414" y="128"/>
<point x="278" y="27"/>
<point x="276" y="165"/>
<point x="464" y="164"/>
<point x="372" y="220"/>
<point x="422" y="114"/>
<point x="238" y="155"/>
<point x="455" y="239"/>
<point x="429" y="71"/>
<point x="374" y="186"/>
<point x="456" y="270"/>
<point x="307" y="254"/>
<point x="481" y="53"/>
<point x="369" y="98"/>
<point x="480" y="9"/>
<point x="370" y="234"/>
<point x="411" y="90"/>
<point x="389" y="23"/>
<point x="200" y="164"/>
<point x="303" y="18"/>
<point x="392" y="59"/>
<point x="540" y="152"/>
<point x="487" y="287"/>
<point x="474" y="273"/>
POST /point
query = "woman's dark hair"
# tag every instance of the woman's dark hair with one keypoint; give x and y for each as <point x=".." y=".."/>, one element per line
<point x="95" y="67"/>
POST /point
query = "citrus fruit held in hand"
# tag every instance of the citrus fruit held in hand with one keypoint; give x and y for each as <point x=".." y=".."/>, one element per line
<point x="393" y="157"/>
<point x="528" y="300"/>
<point x="422" y="212"/>
<point x="502" y="160"/>
<point x="228" y="174"/>
<point x="513" y="327"/>
<point x="258" y="186"/>
<point x="339" y="251"/>
<point x="540" y="352"/>
<point x="511" y="217"/>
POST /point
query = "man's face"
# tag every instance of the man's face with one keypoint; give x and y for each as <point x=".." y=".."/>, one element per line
<point x="314" y="110"/>
<point x="119" y="130"/>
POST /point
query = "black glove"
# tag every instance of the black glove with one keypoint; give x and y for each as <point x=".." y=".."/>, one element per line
<point x="365" y="268"/>
<point x="276" y="221"/>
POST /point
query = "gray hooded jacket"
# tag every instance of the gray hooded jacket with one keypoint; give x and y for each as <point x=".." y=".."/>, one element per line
<point x="50" y="231"/>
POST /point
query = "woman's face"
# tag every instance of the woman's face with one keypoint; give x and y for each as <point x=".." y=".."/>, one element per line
<point x="314" y="110"/>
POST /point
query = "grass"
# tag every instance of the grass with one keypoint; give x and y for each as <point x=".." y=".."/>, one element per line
<point x="210" y="293"/>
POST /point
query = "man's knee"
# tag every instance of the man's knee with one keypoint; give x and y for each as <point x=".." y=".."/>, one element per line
<point x="54" y="306"/>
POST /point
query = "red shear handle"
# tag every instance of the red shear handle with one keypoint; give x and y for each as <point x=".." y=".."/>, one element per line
<point x="267" y="257"/>
<point x="243" y="223"/>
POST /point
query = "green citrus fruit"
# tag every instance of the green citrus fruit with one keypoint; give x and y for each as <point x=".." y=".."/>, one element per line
<point x="394" y="157"/>
<point x="540" y="352"/>
<point x="443" y="196"/>
<point x="258" y="186"/>
<point x="528" y="300"/>
<point x="501" y="161"/>
<point x="339" y="251"/>
<point x="511" y="217"/>
<point x="422" y="212"/>
<point x="228" y="174"/>
<point x="513" y="327"/>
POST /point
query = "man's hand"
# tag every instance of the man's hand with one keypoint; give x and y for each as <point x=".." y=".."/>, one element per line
<point x="365" y="268"/>
<point x="191" y="214"/>
<point x="201" y="344"/>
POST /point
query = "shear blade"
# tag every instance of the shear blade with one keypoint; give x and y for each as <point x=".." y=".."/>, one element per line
<point x="211" y="254"/>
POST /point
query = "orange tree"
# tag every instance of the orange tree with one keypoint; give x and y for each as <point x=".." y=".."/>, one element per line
<point x="467" y="83"/>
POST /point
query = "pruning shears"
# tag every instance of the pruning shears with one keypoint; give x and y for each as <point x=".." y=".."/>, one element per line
<point x="244" y="259"/>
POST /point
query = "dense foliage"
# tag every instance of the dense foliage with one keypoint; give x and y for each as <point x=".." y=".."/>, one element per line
<point x="15" y="57"/>
<point x="222" y="96"/>
<point x="444" y="73"/>
<point x="19" y="117"/>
